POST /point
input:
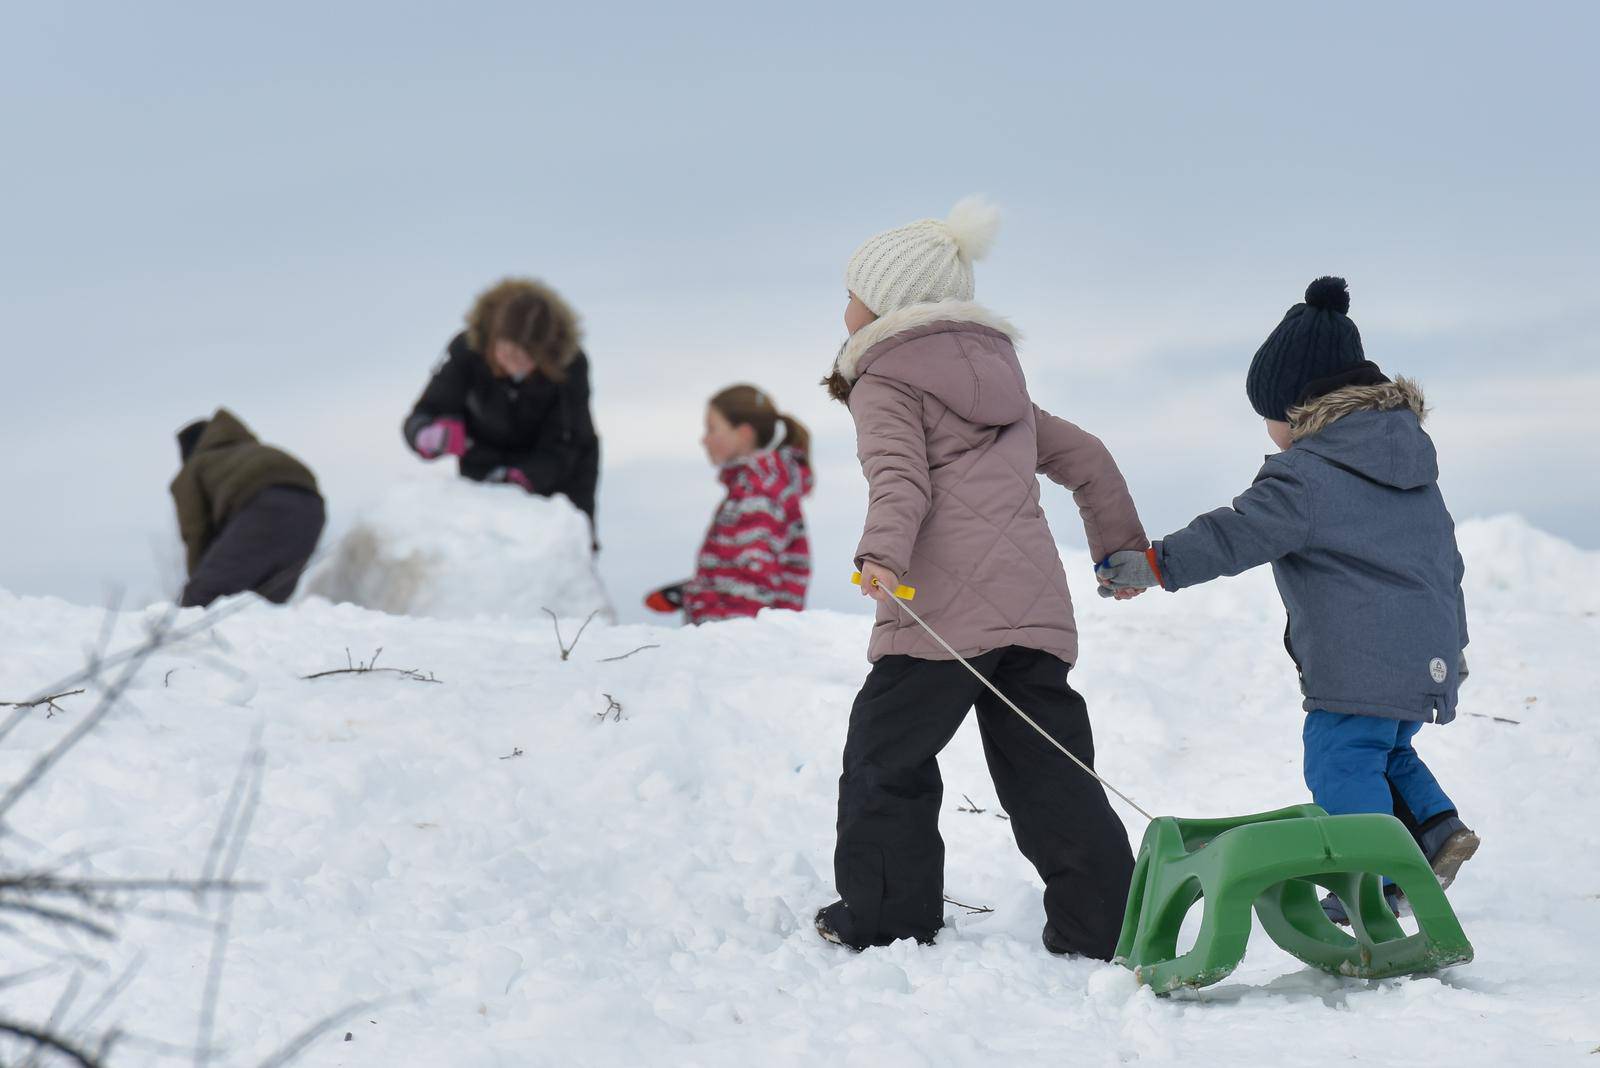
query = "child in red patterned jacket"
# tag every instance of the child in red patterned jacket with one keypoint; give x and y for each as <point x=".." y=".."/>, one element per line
<point x="756" y="554"/>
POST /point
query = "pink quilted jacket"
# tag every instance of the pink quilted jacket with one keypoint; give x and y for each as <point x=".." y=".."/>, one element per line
<point x="952" y="446"/>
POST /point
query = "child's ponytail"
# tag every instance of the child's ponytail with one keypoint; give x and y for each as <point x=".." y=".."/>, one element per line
<point x="796" y="436"/>
<point x="744" y="405"/>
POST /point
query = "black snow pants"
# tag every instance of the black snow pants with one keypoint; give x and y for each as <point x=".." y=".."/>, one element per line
<point x="264" y="548"/>
<point x="889" y="862"/>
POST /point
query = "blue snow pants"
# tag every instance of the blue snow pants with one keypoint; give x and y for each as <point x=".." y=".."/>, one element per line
<point x="1366" y="764"/>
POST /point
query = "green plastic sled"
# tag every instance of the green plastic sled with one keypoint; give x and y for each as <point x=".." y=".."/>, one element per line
<point x="1277" y="861"/>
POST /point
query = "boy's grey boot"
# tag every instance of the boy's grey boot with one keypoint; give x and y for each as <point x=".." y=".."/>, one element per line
<point x="1448" y="845"/>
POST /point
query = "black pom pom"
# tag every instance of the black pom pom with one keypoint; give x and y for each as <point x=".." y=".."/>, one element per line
<point x="1330" y="293"/>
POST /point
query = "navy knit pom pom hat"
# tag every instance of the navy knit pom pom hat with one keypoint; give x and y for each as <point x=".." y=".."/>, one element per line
<point x="1316" y="339"/>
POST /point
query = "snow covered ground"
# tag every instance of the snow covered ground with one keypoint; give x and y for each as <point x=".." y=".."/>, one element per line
<point x="563" y="887"/>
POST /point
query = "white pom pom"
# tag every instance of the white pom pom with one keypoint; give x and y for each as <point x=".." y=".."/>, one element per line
<point x="972" y="223"/>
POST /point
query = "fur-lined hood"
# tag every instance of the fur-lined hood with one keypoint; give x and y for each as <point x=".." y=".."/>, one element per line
<point x="527" y="311"/>
<point x="1316" y="415"/>
<point x="864" y="344"/>
<point x="1373" y="431"/>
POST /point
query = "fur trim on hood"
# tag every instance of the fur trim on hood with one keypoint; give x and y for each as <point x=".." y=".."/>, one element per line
<point x="533" y="315"/>
<point x="912" y="317"/>
<point x="1318" y="414"/>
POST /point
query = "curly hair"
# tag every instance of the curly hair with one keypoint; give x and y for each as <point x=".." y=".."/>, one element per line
<point x="532" y="316"/>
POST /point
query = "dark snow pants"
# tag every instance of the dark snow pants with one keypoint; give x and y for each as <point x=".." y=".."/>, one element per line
<point x="889" y="861"/>
<point x="264" y="548"/>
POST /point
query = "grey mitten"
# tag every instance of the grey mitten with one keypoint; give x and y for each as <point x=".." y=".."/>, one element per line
<point x="1461" y="669"/>
<point x="1127" y="569"/>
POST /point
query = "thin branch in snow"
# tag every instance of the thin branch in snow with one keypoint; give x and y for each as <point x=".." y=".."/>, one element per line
<point x="80" y="1029"/>
<point x="972" y="909"/>
<point x="369" y="667"/>
<point x="1497" y="719"/>
<point x="84" y="889"/>
<point x="971" y="806"/>
<point x="297" y="1045"/>
<point x="69" y="994"/>
<point x="61" y="918"/>
<point x="624" y="656"/>
<point x="71" y="906"/>
<point x="516" y="751"/>
<point x="251" y="773"/>
<point x="44" y="1040"/>
<point x="612" y="705"/>
<point x="248" y="767"/>
<point x="49" y="702"/>
<point x="28" y="975"/>
<point x="566" y="650"/>
<point x="102" y="709"/>
<point x="158" y="634"/>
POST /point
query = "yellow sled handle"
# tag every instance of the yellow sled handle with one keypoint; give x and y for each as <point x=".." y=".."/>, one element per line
<point x="905" y="593"/>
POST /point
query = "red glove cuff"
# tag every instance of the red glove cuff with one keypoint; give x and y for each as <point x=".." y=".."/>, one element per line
<point x="657" y="602"/>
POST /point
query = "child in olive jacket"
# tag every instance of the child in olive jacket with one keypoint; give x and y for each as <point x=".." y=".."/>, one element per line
<point x="249" y="514"/>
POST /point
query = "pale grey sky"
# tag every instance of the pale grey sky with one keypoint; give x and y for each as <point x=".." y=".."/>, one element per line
<point x="287" y="211"/>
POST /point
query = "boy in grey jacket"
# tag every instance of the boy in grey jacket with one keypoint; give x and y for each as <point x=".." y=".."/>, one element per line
<point x="1350" y="516"/>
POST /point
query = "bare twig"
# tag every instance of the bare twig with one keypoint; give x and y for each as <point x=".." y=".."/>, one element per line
<point x="624" y="656"/>
<point x="368" y="667"/>
<point x="107" y="702"/>
<point x="42" y="1039"/>
<point x="28" y="975"/>
<point x="971" y="806"/>
<point x="84" y="889"/>
<point x="516" y="751"/>
<point x="69" y="994"/>
<point x="102" y="1003"/>
<point x="566" y="650"/>
<point x="230" y="811"/>
<point x="61" y="917"/>
<point x="49" y="702"/>
<point x="253" y="770"/>
<point x="974" y="909"/>
<point x="80" y="906"/>
<point x="612" y="705"/>
<point x="166" y="680"/>
<point x="296" y="1045"/>
<point x="1497" y="719"/>
<point x="158" y="634"/>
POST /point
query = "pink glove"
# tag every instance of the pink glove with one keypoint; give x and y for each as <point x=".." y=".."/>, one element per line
<point x="515" y="476"/>
<point x="442" y="436"/>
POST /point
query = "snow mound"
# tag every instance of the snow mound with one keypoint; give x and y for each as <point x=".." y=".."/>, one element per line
<point x="449" y="548"/>
<point x="1510" y="562"/>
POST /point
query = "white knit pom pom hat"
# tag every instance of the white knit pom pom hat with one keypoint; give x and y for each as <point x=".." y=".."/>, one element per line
<point x="930" y="260"/>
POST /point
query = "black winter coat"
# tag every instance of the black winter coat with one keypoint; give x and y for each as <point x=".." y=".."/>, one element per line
<point x="540" y="427"/>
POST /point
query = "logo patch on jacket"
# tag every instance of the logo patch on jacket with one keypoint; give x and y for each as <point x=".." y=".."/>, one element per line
<point x="1437" y="669"/>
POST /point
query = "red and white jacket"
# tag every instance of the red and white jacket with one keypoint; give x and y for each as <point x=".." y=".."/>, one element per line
<point x="756" y="554"/>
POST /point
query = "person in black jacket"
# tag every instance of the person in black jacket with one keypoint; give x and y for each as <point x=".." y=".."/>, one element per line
<point x="510" y="400"/>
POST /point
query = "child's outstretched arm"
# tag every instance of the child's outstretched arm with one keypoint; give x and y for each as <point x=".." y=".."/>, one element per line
<point x="1271" y="519"/>
<point x="1075" y="459"/>
<point x="893" y="449"/>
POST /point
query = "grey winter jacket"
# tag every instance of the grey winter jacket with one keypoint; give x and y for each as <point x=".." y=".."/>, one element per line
<point x="1363" y="551"/>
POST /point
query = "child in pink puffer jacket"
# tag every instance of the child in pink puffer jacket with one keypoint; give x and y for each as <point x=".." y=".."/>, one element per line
<point x="951" y="445"/>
